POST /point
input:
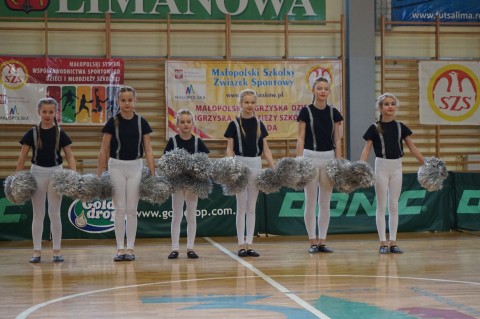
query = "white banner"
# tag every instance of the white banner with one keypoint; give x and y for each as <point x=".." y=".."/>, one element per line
<point x="449" y="92"/>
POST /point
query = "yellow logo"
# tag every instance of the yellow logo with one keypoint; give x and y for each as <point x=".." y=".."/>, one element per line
<point x="453" y="93"/>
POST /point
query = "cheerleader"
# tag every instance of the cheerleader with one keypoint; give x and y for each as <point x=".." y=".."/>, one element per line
<point x="192" y="144"/>
<point x="246" y="141"/>
<point x="319" y="139"/>
<point x="386" y="136"/>
<point x="126" y="138"/>
<point x="46" y="140"/>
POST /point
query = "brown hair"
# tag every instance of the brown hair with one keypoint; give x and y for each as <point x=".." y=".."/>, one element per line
<point x="318" y="79"/>
<point x="240" y="98"/>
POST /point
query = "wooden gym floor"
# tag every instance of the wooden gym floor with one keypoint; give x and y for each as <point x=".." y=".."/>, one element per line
<point x="437" y="277"/>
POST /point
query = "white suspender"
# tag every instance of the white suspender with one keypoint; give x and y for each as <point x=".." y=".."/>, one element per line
<point x="239" y="135"/>
<point x="35" y="144"/>
<point x="399" y="138"/>
<point x="313" y="131"/>
<point x="311" y="128"/>
<point x="175" y="145"/>
<point x="140" y="136"/>
<point x="382" y="140"/>
<point x="34" y="159"/>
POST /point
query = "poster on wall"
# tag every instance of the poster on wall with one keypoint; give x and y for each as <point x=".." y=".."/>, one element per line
<point x="210" y="90"/>
<point x="83" y="87"/>
<point x="449" y="92"/>
<point x="428" y="10"/>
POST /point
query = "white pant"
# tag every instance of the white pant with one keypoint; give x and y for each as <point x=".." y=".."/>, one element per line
<point x="318" y="190"/>
<point x="125" y="177"/>
<point x="388" y="184"/>
<point x="247" y="201"/>
<point x="43" y="177"/>
<point x="191" y="200"/>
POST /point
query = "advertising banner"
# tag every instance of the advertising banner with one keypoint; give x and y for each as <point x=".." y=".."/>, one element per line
<point x="428" y="10"/>
<point x="456" y="206"/>
<point x="177" y="9"/>
<point x="467" y="195"/>
<point x="84" y="88"/>
<point x="449" y="92"/>
<point x="210" y="90"/>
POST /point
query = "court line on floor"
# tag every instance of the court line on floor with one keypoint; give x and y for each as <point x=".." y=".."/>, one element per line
<point x="272" y="282"/>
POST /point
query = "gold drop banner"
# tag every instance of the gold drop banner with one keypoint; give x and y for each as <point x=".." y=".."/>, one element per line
<point x="210" y="91"/>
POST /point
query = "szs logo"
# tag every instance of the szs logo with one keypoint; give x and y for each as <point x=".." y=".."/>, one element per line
<point x="14" y="74"/>
<point x="453" y="92"/>
<point x="178" y="74"/>
<point x="92" y="217"/>
<point x="27" y="5"/>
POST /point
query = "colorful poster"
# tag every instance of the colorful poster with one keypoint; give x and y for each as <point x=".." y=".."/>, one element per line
<point x="449" y="92"/>
<point x="428" y="10"/>
<point x="78" y="85"/>
<point x="211" y="90"/>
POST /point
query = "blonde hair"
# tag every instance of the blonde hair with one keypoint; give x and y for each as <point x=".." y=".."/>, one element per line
<point x="49" y="101"/>
<point x="183" y="112"/>
<point x="318" y="79"/>
<point x="379" y="105"/>
<point x="240" y="99"/>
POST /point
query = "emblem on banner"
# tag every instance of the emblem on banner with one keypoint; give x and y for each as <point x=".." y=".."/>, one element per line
<point x="319" y="71"/>
<point x="27" y="5"/>
<point x="92" y="217"/>
<point x="453" y="93"/>
<point x="14" y="74"/>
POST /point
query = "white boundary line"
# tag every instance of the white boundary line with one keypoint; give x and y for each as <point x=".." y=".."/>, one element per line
<point x="272" y="282"/>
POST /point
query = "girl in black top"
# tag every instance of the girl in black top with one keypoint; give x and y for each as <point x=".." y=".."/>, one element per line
<point x="192" y="144"/>
<point x="386" y="136"/>
<point x="246" y="141"/>
<point x="126" y="137"/>
<point x="319" y="139"/>
<point x="46" y="140"/>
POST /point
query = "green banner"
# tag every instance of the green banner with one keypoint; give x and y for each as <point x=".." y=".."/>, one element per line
<point x="456" y="206"/>
<point x="300" y="10"/>
<point x="419" y="210"/>
<point x="467" y="196"/>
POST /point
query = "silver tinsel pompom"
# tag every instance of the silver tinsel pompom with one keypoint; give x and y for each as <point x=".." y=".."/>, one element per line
<point x="363" y="174"/>
<point x="306" y="170"/>
<point x="346" y="176"/>
<point x="105" y="188"/>
<point x="155" y="189"/>
<point x="174" y="163"/>
<point x="232" y="174"/>
<point x="200" y="166"/>
<point x="268" y="181"/>
<point x="296" y="172"/>
<point x="20" y="187"/>
<point x="65" y="182"/>
<point x="88" y="188"/>
<point x="286" y="169"/>
<point x="432" y="174"/>
<point x="202" y="188"/>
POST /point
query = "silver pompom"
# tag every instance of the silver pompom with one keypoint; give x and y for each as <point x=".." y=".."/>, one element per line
<point x="346" y="176"/>
<point x="155" y="189"/>
<point x="105" y="188"/>
<point x="306" y="172"/>
<point x="268" y="181"/>
<point x="174" y="163"/>
<point x="88" y="188"/>
<point x="187" y="171"/>
<point x="65" y="182"/>
<point x="432" y="174"/>
<point x="20" y="187"/>
<point x="286" y="169"/>
<point x="232" y="174"/>
<point x="297" y="172"/>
